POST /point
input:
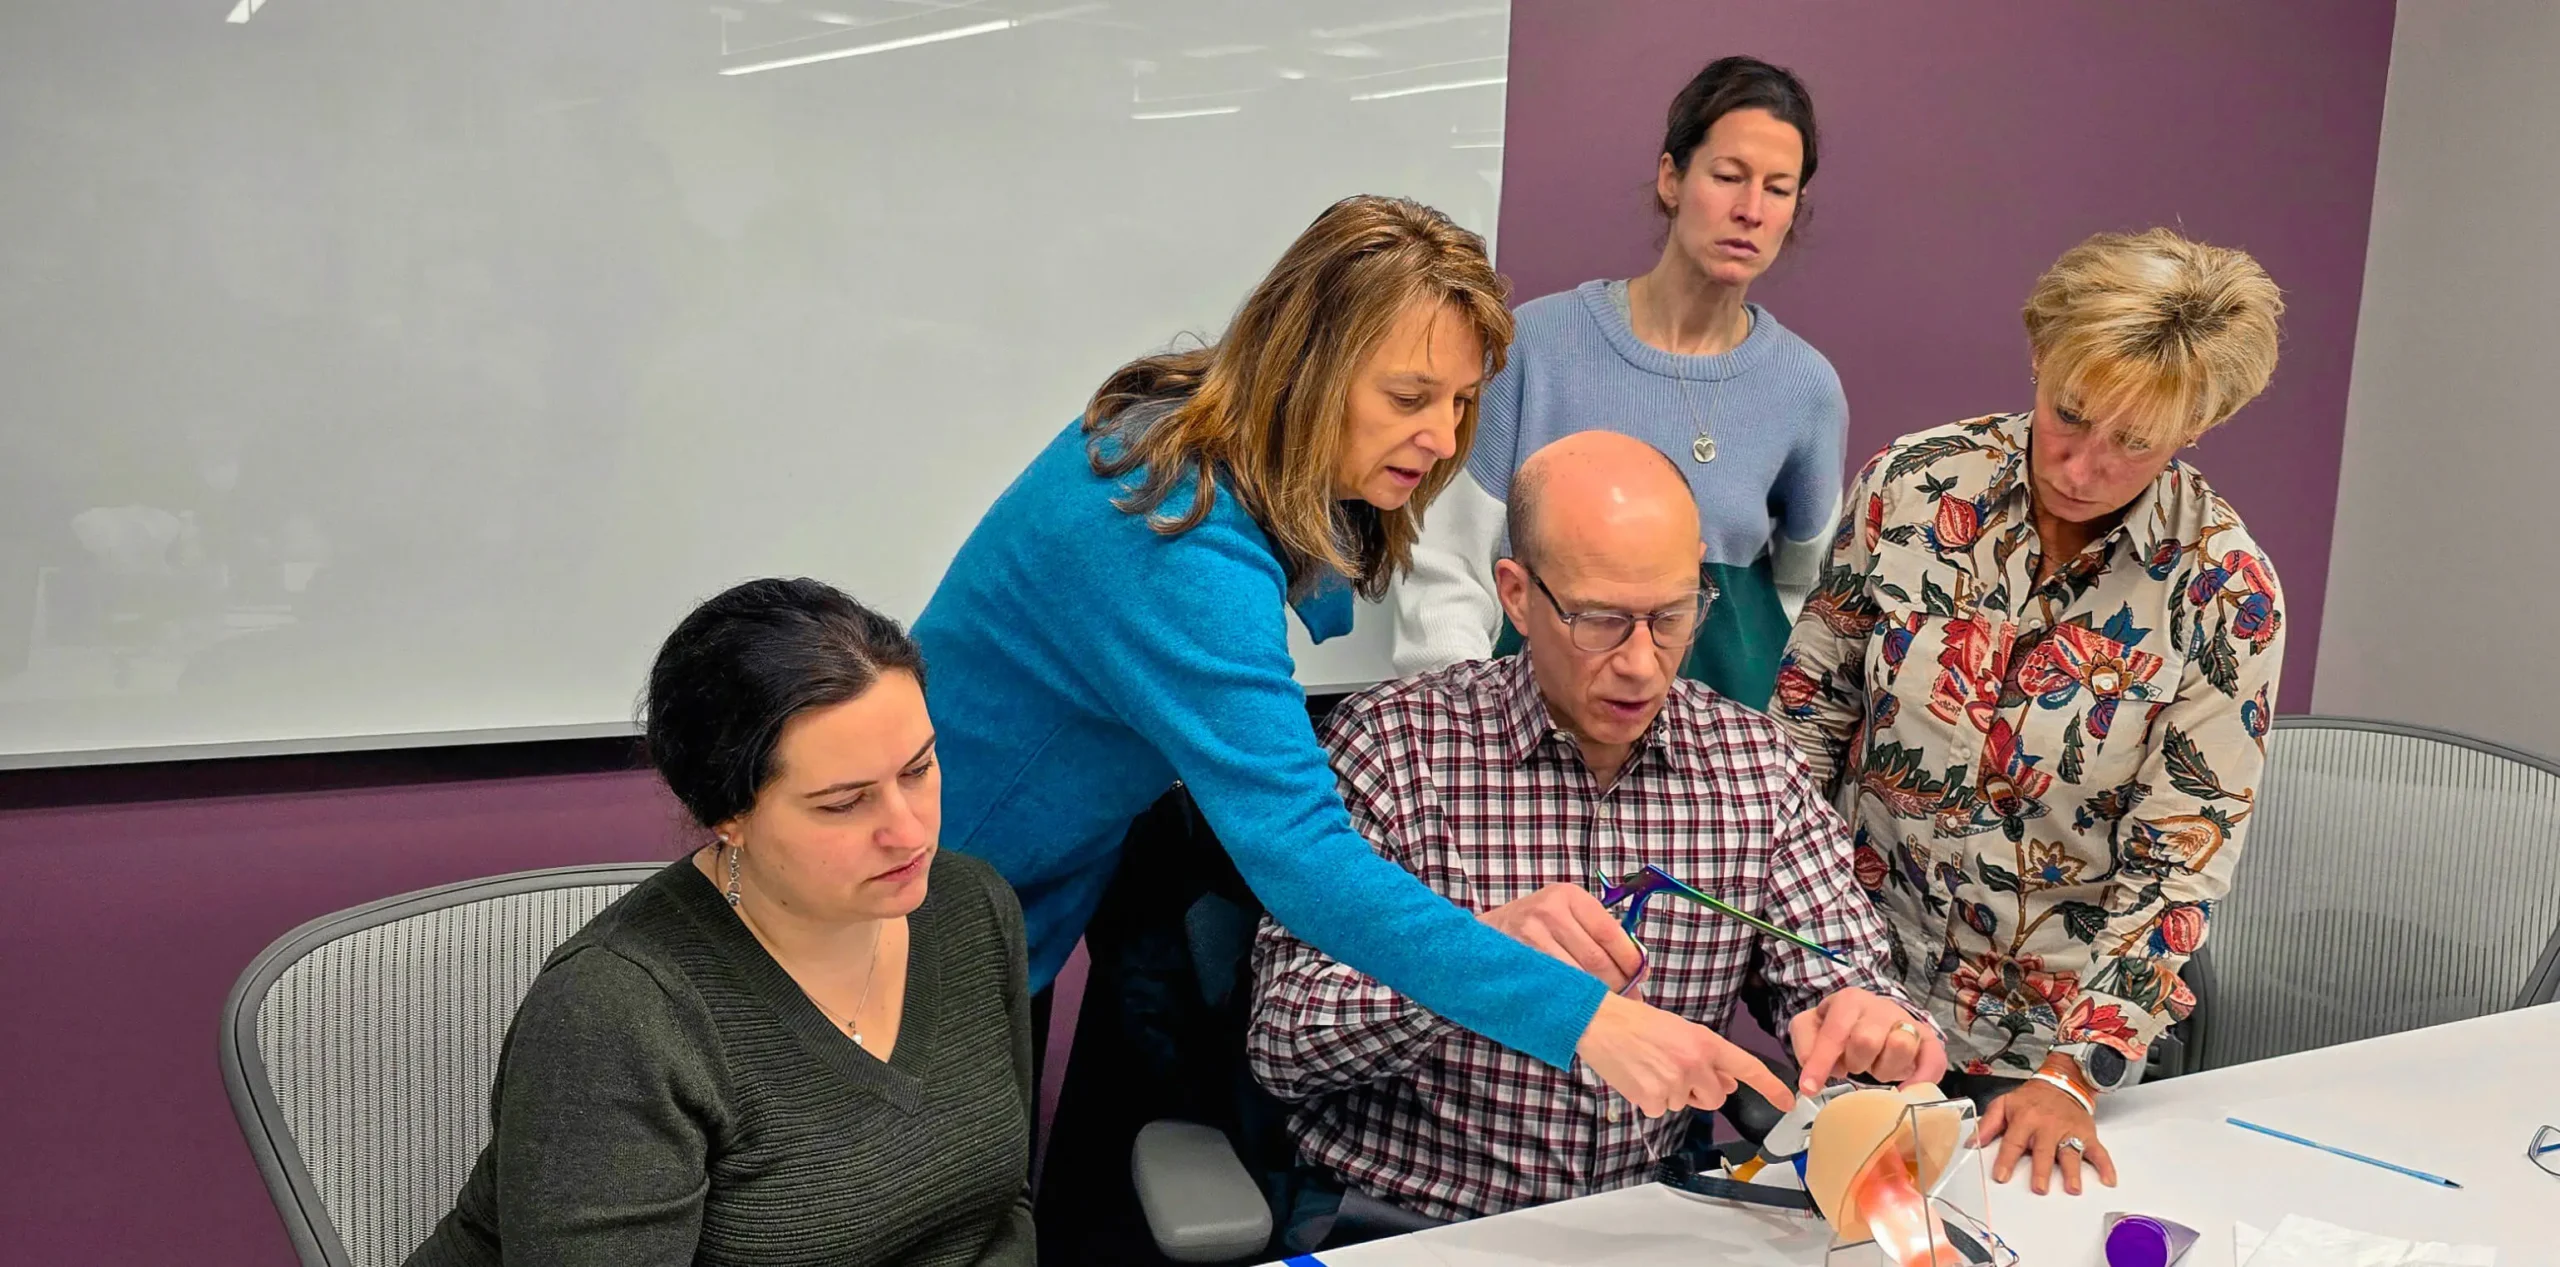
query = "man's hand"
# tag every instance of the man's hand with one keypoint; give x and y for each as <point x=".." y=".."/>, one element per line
<point x="1565" y="921"/>
<point x="2033" y="1122"/>
<point x="1663" y="1063"/>
<point x="1855" y="1031"/>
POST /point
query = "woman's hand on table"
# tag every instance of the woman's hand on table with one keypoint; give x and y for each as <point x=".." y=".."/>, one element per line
<point x="2032" y="1123"/>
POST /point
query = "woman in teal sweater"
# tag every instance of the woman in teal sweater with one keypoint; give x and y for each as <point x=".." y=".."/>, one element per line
<point x="1118" y="622"/>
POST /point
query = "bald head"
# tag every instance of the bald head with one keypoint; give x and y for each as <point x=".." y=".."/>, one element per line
<point x="1598" y="494"/>
<point x="1604" y="530"/>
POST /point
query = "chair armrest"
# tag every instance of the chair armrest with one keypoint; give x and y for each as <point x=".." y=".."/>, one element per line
<point x="1200" y="1204"/>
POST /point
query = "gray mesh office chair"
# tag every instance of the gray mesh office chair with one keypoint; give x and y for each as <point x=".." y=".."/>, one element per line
<point x="2395" y="877"/>
<point x="359" y="1050"/>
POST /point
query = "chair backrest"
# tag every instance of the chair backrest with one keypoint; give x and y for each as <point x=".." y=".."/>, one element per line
<point x="2395" y="877"/>
<point x="359" y="1050"/>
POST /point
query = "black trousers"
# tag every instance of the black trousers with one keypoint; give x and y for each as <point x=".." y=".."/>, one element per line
<point x="1147" y="1045"/>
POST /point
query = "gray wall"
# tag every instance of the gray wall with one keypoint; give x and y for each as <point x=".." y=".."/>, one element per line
<point x="2441" y="604"/>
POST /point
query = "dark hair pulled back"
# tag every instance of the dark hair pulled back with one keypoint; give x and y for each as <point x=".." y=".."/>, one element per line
<point x="1740" y="83"/>
<point x="741" y="666"/>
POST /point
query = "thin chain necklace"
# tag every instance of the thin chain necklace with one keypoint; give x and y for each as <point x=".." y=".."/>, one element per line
<point x="870" y="969"/>
<point x="1703" y="448"/>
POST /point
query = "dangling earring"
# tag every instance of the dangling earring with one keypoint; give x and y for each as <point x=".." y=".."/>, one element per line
<point x="733" y="851"/>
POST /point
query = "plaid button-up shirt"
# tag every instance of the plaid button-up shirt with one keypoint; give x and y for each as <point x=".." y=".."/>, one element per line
<point x="1463" y="777"/>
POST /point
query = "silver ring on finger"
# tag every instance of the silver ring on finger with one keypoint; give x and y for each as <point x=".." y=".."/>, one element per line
<point x="2073" y="1143"/>
<point x="1907" y="1027"/>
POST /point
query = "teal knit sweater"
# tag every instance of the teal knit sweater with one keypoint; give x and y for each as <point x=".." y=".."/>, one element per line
<point x="1080" y="662"/>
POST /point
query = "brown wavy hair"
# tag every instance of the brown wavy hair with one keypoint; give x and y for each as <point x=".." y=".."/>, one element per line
<point x="1263" y="410"/>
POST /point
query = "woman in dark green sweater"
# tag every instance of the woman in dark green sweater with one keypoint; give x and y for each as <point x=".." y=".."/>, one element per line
<point x="809" y="1041"/>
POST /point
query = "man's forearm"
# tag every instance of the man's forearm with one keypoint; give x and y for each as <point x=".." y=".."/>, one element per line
<point x="1318" y="1027"/>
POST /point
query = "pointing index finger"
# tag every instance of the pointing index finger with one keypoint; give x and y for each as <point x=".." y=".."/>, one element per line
<point x="1828" y="1040"/>
<point x="1747" y="1069"/>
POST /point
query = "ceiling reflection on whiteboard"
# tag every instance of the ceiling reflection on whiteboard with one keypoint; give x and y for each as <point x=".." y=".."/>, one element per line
<point x="380" y="366"/>
<point x="1174" y="75"/>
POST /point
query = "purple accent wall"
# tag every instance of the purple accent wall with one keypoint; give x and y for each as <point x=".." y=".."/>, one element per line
<point x="1965" y="144"/>
<point x="125" y="928"/>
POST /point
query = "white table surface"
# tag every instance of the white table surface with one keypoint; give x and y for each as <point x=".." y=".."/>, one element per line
<point x="2456" y="1100"/>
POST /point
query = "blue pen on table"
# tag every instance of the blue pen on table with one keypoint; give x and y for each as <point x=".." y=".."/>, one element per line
<point x="2438" y="1180"/>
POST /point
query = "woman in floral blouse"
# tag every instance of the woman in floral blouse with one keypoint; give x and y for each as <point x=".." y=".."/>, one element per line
<point x="2037" y="678"/>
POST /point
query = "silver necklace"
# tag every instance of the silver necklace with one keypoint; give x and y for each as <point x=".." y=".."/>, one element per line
<point x="870" y="970"/>
<point x="1704" y="447"/>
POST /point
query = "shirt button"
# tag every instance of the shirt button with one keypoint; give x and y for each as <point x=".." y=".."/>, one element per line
<point x="1613" y="1110"/>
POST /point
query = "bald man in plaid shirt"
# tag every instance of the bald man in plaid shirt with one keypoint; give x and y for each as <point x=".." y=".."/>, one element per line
<point x="1507" y="785"/>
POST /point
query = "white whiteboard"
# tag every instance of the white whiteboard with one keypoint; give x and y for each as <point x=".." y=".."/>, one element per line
<point x="392" y="371"/>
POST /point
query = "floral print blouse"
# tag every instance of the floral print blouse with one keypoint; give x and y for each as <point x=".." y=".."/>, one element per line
<point x="2048" y="783"/>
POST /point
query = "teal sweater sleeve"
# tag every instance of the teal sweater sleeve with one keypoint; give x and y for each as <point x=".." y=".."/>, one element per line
<point x="1199" y="661"/>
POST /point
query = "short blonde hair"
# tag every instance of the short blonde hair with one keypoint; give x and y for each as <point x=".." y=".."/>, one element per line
<point x="2163" y="337"/>
<point x="1264" y="409"/>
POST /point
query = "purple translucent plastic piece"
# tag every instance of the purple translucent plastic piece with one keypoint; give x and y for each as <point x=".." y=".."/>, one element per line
<point x="2138" y="1240"/>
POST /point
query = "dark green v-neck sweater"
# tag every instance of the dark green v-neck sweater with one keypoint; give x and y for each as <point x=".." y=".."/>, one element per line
<point x="667" y="1095"/>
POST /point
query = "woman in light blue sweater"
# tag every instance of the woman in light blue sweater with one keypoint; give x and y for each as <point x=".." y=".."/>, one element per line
<point x="1117" y="622"/>
<point x="1681" y="359"/>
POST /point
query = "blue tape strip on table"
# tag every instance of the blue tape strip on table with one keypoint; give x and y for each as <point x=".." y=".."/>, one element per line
<point x="1303" y="1260"/>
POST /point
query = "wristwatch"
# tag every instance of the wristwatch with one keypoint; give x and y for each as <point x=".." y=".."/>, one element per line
<point x="2102" y="1067"/>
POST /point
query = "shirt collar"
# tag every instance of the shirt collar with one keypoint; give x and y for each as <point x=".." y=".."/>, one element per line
<point x="2145" y="526"/>
<point x="1526" y="721"/>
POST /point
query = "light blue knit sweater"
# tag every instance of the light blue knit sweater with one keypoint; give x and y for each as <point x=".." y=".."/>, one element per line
<point x="1765" y="504"/>
<point x="1773" y="404"/>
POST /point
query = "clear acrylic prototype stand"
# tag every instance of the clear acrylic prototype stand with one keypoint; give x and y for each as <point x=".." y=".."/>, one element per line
<point x="1926" y="1195"/>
